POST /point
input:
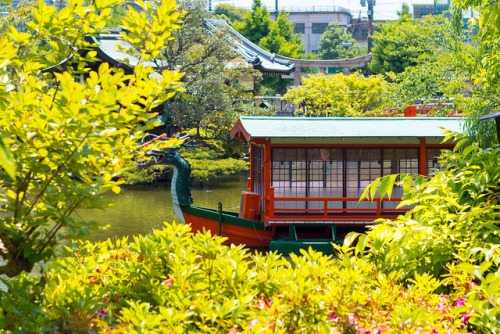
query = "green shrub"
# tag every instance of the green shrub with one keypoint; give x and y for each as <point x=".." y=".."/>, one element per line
<point x="207" y="164"/>
<point x="175" y="282"/>
<point x="452" y="234"/>
<point x="132" y="175"/>
<point x="455" y="219"/>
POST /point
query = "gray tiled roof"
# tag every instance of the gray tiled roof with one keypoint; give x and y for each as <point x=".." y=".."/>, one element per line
<point x="108" y="51"/>
<point x="108" y="44"/>
<point x="260" y="59"/>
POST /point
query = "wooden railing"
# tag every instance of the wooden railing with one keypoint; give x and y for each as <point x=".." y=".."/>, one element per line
<point x="325" y="213"/>
<point x="419" y="110"/>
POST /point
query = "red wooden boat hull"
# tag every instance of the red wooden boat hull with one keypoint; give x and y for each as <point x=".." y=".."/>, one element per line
<point x="251" y="233"/>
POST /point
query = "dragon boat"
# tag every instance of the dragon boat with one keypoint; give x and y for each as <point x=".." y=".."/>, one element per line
<point x="307" y="175"/>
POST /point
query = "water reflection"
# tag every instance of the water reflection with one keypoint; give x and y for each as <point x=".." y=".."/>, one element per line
<point x="140" y="209"/>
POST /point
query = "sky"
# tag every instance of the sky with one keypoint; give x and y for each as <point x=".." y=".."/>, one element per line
<point x="383" y="9"/>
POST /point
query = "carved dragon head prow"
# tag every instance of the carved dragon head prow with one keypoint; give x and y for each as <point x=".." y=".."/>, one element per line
<point x="180" y="189"/>
<point x="167" y="156"/>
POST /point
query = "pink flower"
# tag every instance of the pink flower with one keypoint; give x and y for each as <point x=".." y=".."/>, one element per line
<point x="443" y="298"/>
<point x="100" y="314"/>
<point x="442" y="303"/>
<point x="233" y="330"/>
<point x="352" y="318"/>
<point x="252" y="323"/>
<point x="334" y="317"/>
<point x="168" y="282"/>
<point x="441" y="307"/>
<point x="459" y="302"/>
<point x="465" y="318"/>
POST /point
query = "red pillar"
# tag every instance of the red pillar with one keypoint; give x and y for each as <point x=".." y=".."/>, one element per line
<point x="423" y="157"/>
<point x="269" y="202"/>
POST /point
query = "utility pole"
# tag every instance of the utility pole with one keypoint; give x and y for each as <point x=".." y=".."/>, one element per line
<point x="371" y="3"/>
<point x="276" y="11"/>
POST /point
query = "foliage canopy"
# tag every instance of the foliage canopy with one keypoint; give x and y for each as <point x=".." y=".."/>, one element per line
<point x="68" y="139"/>
<point x="332" y="44"/>
<point x="339" y="95"/>
<point x="230" y="12"/>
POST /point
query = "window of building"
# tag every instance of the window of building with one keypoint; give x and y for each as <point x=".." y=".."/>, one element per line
<point x="257" y="169"/>
<point x="319" y="28"/>
<point x="300" y="28"/>
<point x="433" y="164"/>
<point x="336" y="172"/>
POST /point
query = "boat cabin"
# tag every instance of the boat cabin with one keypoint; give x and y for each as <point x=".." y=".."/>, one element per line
<point x="313" y="170"/>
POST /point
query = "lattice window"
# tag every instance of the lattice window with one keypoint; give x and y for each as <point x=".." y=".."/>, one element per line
<point x="257" y="169"/>
<point x="336" y="173"/>
<point x="399" y="161"/>
<point x="433" y="164"/>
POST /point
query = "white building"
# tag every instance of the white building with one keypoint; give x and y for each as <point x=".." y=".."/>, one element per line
<point x="311" y="22"/>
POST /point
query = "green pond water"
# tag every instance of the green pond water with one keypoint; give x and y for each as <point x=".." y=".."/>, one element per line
<point x="140" y="209"/>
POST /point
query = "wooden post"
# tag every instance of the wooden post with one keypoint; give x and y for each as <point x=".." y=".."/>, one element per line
<point x="267" y="178"/>
<point x="423" y="157"/>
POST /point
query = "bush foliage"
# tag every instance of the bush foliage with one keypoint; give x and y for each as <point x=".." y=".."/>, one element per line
<point x="175" y="282"/>
<point x="339" y="95"/>
<point x="67" y="138"/>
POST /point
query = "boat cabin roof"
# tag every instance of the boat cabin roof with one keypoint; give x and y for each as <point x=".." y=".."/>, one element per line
<point x="248" y="128"/>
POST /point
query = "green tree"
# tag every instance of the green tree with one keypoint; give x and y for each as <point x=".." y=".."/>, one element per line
<point x="281" y="39"/>
<point x="484" y="66"/>
<point x="275" y="37"/>
<point x="332" y="44"/>
<point x="230" y="13"/>
<point x="256" y="24"/>
<point x="432" y="63"/>
<point x="20" y="18"/>
<point x="117" y="13"/>
<point x="444" y="69"/>
<point x="390" y="52"/>
<point x="405" y="11"/>
<point x="214" y="89"/>
<point x="68" y="139"/>
<point x="339" y="95"/>
<point x="487" y="39"/>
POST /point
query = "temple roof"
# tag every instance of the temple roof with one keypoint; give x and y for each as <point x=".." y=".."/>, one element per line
<point x="248" y="128"/>
<point x="108" y="51"/>
<point x="259" y="58"/>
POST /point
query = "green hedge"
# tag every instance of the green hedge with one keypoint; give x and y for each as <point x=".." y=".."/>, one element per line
<point x="175" y="282"/>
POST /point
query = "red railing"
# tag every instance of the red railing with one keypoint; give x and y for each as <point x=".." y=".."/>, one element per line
<point x="329" y="214"/>
<point x="419" y="110"/>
